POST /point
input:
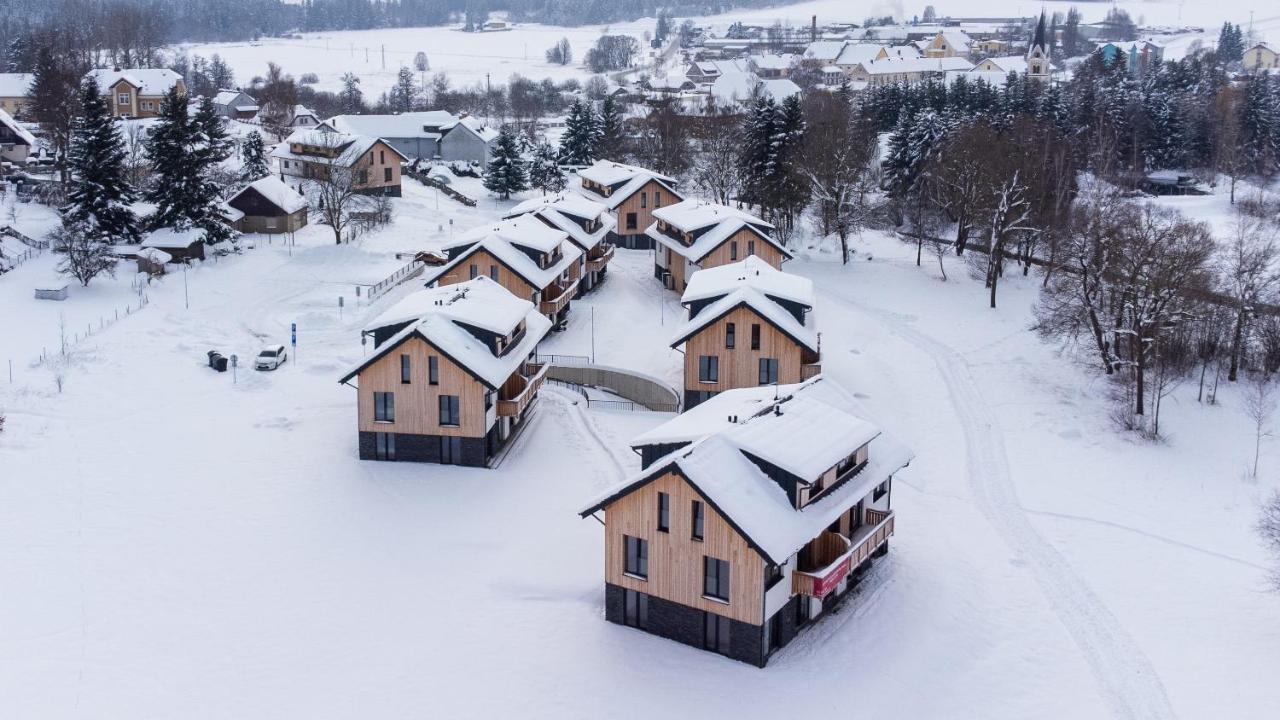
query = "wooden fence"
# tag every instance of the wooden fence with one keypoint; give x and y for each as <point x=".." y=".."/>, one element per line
<point x="411" y="270"/>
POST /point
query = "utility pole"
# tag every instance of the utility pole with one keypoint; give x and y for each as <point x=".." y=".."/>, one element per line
<point x="487" y="87"/>
<point x="186" y="299"/>
<point x="384" y="57"/>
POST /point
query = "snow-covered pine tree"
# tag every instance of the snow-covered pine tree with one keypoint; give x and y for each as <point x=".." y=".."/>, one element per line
<point x="506" y="173"/>
<point x="610" y="136"/>
<point x="169" y="149"/>
<point x="210" y="148"/>
<point x="787" y="184"/>
<point x="99" y="195"/>
<point x="758" y="131"/>
<point x="578" y="145"/>
<point x="253" y="154"/>
<point x="544" y="171"/>
<point x="404" y="93"/>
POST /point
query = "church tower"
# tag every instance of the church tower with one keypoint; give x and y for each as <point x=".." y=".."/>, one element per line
<point x="1038" y="66"/>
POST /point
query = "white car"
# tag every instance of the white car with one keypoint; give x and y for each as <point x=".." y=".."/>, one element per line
<point x="271" y="357"/>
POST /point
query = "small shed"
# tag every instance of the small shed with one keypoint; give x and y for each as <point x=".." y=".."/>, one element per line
<point x="56" y="290"/>
<point x="270" y="206"/>
<point x="181" y="245"/>
<point x="152" y="261"/>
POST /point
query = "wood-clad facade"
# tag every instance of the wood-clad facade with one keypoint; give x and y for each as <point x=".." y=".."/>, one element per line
<point x="491" y="267"/>
<point x="739" y="366"/>
<point x="741" y="244"/>
<point x="417" y="403"/>
<point x="635" y="214"/>
<point x="675" y="558"/>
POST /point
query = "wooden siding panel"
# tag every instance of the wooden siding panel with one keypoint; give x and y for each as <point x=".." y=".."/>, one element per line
<point x="675" y="558"/>
<point x="644" y="216"/>
<point x="740" y="366"/>
<point x="722" y="255"/>
<point x="417" y="408"/>
<point x="482" y="260"/>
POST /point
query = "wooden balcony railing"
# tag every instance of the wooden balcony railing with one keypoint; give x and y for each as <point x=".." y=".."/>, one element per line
<point x="810" y="370"/>
<point x="520" y="389"/>
<point x="820" y="581"/>
<point x="552" y="303"/>
<point x="596" y="262"/>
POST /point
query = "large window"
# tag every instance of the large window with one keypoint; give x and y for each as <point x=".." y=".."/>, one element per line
<point x="709" y="368"/>
<point x="664" y="512"/>
<point x="730" y="335"/>
<point x="433" y="370"/>
<point x="406" y="376"/>
<point x="386" y="174"/>
<point x="755" y="336"/>
<point x="733" y="249"/>
<point x="768" y="371"/>
<point x="449" y="411"/>
<point x="385" y="446"/>
<point x="451" y="450"/>
<point x="715" y="578"/>
<point x="384" y="407"/>
<point x="631" y="221"/>
<point x="715" y="633"/>
<point x="637" y="558"/>
<point x="697" y="531"/>
<point x="473" y="271"/>
<point x="493" y="273"/>
<point x="637" y="609"/>
<point x="644" y="199"/>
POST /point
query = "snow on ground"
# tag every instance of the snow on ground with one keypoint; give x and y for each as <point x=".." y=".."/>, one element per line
<point x="181" y="543"/>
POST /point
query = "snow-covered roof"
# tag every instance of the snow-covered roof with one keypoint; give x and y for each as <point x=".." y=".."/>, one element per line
<point x="625" y="179"/>
<point x="779" y="88"/>
<point x="352" y="147"/>
<point x="276" y="192"/>
<point x="500" y="240"/>
<point x="716" y="222"/>
<point x="155" y="255"/>
<point x="169" y="238"/>
<point x="227" y="97"/>
<point x="772" y="62"/>
<point x="957" y="39"/>
<point x="15" y="84"/>
<point x="750" y="272"/>
<point x="486" y="305"/>
<point x="477" y="128"/>
<point x="7" y="120"/>
<point x="148" y="81"/>
<point x="810" y="428"/>
<point x="468" y="303"/>
<point x="694" y="214"/>
<point x="229" y="213"/>
<point x="564" y="210"/>
<point x="854" y="53"/>
<point x="824" y="50"/>
<point x="304" y="111"/>
<point x="429" y="124"/>
<point x="749" y="297"/>
<point x="1007" y="64"/>
<point x="914" y="65"/>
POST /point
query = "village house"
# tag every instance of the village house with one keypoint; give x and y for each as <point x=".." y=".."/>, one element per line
<point x="451" y="376"/>
<point x="771" y="67"/>
<point x="695" y="234"/>
<point x="269" y="206"/>
<point x="529" y="258"/>
<point x="16" y="143"/>
<point x="631" y="194"/>
<point x="588" y="225"/>
<point x="302" y="116"/>
<point x="235" y="104"/>
<point x="948" y="43"/>
<point x="180" y="245"/>
<point x="313" y="154"/>
<point x="424" y="135"/>
<point x="136" y="92"/>
<point x="755" y="514"/>
<point x="749" y="324"/>
<point x="906" y="70"/>
<point x="703" y="72"/>
<point x="15" y="89"/>
<point x="1258" y="57"/>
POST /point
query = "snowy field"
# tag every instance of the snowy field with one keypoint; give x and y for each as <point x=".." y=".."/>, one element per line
<point x="178" y="543"/>
<point x="467" y="58"/>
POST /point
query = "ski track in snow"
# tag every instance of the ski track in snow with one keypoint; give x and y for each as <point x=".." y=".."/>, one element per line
<point x="1128" y="682"/>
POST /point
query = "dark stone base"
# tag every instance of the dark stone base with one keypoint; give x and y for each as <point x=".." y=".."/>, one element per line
<point x="693" y="398"/>
<point x="686" y="625"/>
<point x="426" y="448"/>
<point x="639" y="241"/>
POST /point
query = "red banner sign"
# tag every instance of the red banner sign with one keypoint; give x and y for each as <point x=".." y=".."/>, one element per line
<point x="824" y="585"/>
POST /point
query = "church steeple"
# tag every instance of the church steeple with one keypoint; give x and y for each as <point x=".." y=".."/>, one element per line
<point x="1038" y="53"/>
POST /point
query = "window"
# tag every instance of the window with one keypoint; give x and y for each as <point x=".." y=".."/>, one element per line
<point x="451" y="450"/>
<point x="384" y="446"/>
<point x="637" y="559"/>
<point x="384" y="407"/>
<point x="386" y="174"/>
<point x="123" y="98"/>
<point x="433" y="370"/>
<point x="730" y="335"/>
<point x="664" y="512"/>
<point x="733" y="249"/>
<point x="881" y="490"/>
<point x="768" y="371"/>
<point x="362" y="177"/>
<point x="631" y="221"/>
<point x="644" y="199"/>
<point x="636" y="609"/>
<point x="709" y="368"/>
<point x="657" y="198"/>
<point x="802" y="611"/>
<point x="493" y="273"/>
<point x="715" y="633"/>
<point x="474" y="270"/>
<point x="148" y="105"/>
<point x="751" y="247"/>
<point x="697" y="520"/>
<point x="755" y="336"/>
<point x="382" y="158"/>
<point x="405" y="376"/>
<point x="449" y="411"/>
<point x="715" y="578"/>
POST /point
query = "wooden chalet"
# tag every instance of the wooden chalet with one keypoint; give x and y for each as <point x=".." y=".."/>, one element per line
<point x="314" y="154"/>
<point x="532" y="260"/>
<point x="588" y="225"/>
<point x="631" y="194"/>
<point x="269" y="206"/>
<point x="754" y="515"/>
<point x="136" y="92"/>
<point x="452" y="375"/>
<point x="695" y="234"/>
<point x="749" y="325"/>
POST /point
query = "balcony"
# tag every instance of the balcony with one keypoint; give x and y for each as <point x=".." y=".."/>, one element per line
<point x="520" y="389"/>
<point x="827" y="560"/>
<point x="555" y="297"/>
<point x="597" y="260"/>
<point x="810" y="370"/>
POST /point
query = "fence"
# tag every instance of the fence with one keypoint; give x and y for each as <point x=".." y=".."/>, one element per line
<point x="9" y="261"/>
<point x="442" y="186"/>
<point x="412" y="269"/>
<point x="562" y="359"/>
<point x="75" y="336"/>
<point x="640" y="391"/>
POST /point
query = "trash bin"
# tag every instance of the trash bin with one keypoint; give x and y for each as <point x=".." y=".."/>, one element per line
<point x="212" y="354"/>
<point x="221" y="364"/>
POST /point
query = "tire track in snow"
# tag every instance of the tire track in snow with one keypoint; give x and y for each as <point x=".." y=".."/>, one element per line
<point x="1126" y="678"/>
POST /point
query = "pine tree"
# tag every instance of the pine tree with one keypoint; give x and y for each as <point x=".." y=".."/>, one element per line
<point x="581" y="134"/>
<point x="788" y="185"/>
<point x="351" y="98"/>
<point x="169" y="150"/>
<point x="758" y="132"/>
<point x="544" y="172"/>
<point x="211" y="148"/>
<point x="506" y="173"/>
<point x="99" y="195"/>
<point x="253" y="153"/>
<point x="1259" y="117"/>
<point x="610" y="136"/>
<point x="1230" y="43"/>
<point x="405" y="92"/>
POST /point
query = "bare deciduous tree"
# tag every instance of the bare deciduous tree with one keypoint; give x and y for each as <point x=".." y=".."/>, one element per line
<point x="1259" y="403"/>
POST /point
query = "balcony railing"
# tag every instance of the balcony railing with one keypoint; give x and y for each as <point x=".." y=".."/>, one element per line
<point x="819" y="581"/>
<point x="810" y="370"/>
<point x="597" y="262"/>
<point x="554" y="304"/>
<point x="520" y="389"/>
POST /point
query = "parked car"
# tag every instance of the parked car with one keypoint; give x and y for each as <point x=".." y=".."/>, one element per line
<point x="271" y="357"/>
